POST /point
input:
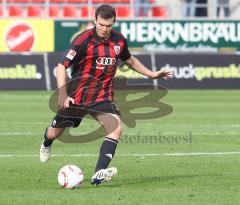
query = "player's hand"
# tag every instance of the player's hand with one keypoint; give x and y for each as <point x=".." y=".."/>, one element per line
<point x="163" y="73"/>
<point x="64" y="101"/>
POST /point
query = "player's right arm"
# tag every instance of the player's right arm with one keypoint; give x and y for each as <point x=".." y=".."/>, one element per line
<point x="72" y="56"/>
<point x="63" y="99"/>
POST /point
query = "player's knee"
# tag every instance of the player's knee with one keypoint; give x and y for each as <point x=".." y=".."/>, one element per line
<point x="50" y="133"/>
<point x="115" y="132"/>
<point x="118" y="130"/>
<point x="53" y="133"/>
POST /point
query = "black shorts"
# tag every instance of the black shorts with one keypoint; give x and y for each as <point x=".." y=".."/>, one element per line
<point x="72" y="116"/>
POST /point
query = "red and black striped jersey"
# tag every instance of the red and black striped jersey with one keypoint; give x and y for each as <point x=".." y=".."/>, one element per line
<point x="94" y="64"/>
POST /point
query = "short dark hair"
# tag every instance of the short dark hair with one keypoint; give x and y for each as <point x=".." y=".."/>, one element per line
<point x="105" y="11"/>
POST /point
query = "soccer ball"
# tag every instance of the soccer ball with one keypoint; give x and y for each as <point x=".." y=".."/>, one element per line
<point x="70" y="177"/>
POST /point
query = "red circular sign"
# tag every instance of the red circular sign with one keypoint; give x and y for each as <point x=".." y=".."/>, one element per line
<point x="20" y="37"/>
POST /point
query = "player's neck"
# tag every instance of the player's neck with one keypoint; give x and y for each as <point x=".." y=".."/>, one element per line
<point x="103" y="39"/>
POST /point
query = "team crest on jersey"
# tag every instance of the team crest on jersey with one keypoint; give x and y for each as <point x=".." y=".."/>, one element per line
<point x="71" y="54"/>
<point x="117" y="49"/>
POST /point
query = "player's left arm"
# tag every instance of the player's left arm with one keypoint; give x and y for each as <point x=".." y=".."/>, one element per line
<point x="136" y="65"/>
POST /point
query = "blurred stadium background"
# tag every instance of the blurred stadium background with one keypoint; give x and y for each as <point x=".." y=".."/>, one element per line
<point x="199" y="40"/>
<point x="172" y="9"/>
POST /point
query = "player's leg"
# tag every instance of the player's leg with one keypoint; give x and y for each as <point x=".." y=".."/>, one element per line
<point x="64" y="118"/>
<point x="113" y="129"/>
<point x="50" y="134"/>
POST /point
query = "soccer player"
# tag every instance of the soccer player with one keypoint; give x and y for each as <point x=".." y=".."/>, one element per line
<point x="93" y="56"/>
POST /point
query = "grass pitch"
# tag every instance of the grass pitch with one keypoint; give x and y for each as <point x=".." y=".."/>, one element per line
<point x="195" y="161"/>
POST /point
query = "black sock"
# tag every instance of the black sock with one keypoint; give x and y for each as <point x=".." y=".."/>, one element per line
<point x="107" y="152"/>
<point x="47" y="142"/>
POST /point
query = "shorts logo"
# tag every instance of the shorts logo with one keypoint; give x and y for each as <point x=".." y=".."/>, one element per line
<point x="117" y="49"/>
<point x="71" y="54"/>
<point x="54" y="122"/>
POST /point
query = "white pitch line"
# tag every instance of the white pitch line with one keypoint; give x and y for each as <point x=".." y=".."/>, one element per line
<point x="23" y="123"/>
<point x="24" y="98"/>
<point x="129" y="134"/>
<point x="179" y="124"/>
<point x="17" y="133"/>
<point x="130" y="154"/>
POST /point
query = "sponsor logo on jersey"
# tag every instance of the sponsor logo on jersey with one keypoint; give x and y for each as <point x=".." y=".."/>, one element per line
<point x="71" y="54"/>
<point x="105" y="61"/>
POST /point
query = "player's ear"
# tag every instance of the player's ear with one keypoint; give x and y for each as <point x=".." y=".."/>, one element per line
<point x="95" y="21"/>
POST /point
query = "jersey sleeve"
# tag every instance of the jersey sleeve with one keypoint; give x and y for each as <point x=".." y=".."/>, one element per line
<point x="73" y="54"/>
<point x="125" y="54"/>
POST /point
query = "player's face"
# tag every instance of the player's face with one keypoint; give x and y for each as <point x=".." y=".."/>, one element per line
<point x="104" y="27"/>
